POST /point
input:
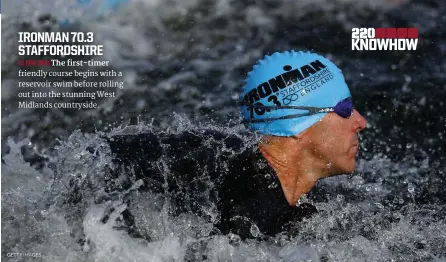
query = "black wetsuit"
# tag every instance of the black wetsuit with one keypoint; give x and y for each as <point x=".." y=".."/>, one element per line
<point x="196" y="170"/>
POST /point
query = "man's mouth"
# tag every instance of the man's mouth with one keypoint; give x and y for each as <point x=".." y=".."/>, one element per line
<point x="355" y="147"/>
<point x="355" y="141"/>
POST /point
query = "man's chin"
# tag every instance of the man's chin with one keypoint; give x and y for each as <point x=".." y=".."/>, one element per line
<point x="344" y="169"/>
<point x="351" y="168"/>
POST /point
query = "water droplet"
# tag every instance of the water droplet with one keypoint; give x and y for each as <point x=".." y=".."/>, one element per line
<point x="422" y="101"/>
<point x="234" y="239"/>
<point x="254" y="230"/>
<point x="301" y="200"/>
<point x="407" y="78"/>
<point x="401" y="201"/>
<point x="409" y="145"/>
<point x="410" y="188"/>
<point x="339" y="198"/>
<point x="379" y="205"/>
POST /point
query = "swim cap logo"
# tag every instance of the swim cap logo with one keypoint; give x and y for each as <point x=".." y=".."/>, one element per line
<point x="282" y="89"/>
<point x="401" y="39"/>
<point x="290" y="98"/>
<point x="289" y="86"/>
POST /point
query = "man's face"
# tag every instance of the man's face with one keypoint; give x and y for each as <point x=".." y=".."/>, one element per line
<point x="334" y="140"/>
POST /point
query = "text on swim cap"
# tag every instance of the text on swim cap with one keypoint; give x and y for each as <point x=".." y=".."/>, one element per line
<point x="279" y="82"/>
<point x="275" y="84"/>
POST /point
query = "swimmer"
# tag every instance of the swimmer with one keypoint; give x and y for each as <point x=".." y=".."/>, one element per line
<point x="311" y="137"/>
<point x="259" y="190"/>
<point x="307" y="134"/>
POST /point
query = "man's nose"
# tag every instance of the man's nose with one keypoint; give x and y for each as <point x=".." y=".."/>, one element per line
<point x="359" y="121"/>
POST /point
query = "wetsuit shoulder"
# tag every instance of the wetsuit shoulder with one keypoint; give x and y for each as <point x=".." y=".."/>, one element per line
<point x="188" y="166"/>
<point x="200" y="170"/>
<point x="252" y="200"/>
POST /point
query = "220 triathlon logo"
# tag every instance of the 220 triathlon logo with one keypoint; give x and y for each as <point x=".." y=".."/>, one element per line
<point x="402" y="39"/>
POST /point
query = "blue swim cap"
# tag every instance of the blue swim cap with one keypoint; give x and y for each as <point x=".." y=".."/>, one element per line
<point x="290" y="79"/>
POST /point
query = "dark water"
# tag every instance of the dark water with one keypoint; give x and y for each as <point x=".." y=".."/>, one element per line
<point x="184" y="63"/>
